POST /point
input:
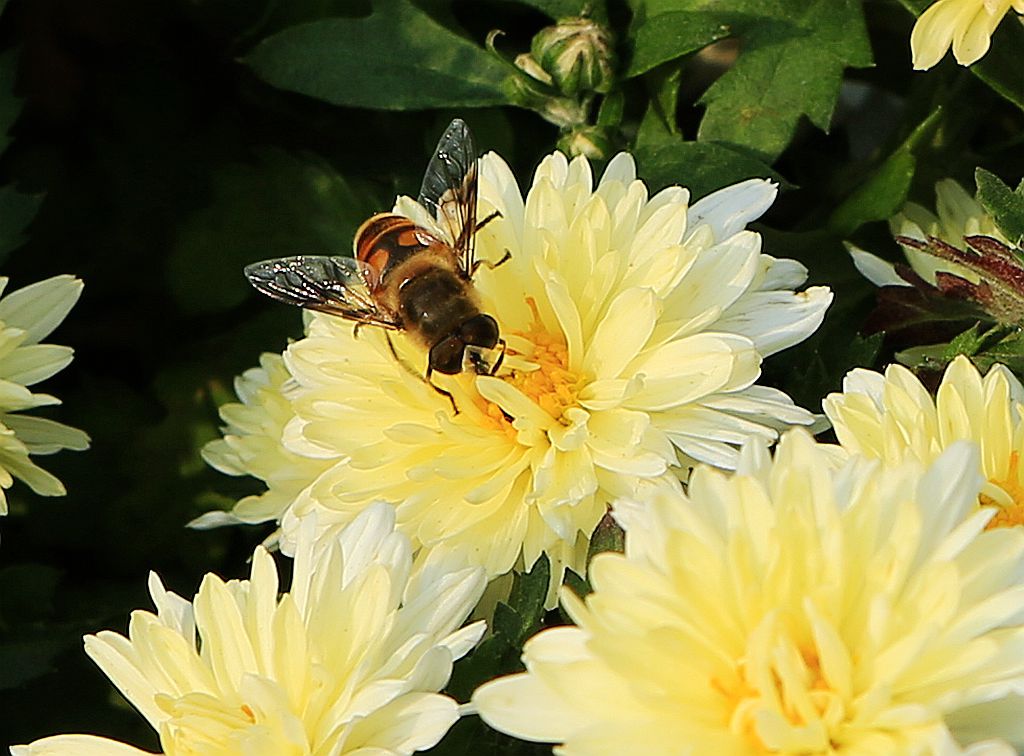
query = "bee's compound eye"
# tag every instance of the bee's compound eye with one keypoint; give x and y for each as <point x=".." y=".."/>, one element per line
<point x="480" y="330"/>
<point x="446" y="355"/>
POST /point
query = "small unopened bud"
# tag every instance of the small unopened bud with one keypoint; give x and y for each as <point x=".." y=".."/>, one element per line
<point x="593" y="142"/>
<point x="577" y="54"/>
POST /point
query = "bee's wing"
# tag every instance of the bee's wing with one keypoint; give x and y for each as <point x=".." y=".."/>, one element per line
<point x="449" y="190"/>
<point x="336" y="285"/>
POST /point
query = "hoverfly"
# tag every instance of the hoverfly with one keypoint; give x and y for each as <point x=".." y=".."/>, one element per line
<point x="405" y="277"/>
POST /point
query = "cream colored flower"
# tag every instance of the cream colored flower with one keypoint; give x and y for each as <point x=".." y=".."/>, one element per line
<point x="349" y="661"/>
<point x="957" y="214"/>
<point x="891" y="416"/>
<point x="253" y="444"/>
<point x="967" y="25"/>
<point x="792" y="608"/>
<point x="636" y="327"/>
<point x="27" y="316"/>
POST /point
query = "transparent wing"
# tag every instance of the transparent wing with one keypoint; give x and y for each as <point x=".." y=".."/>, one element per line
<point x="449" y="190"/>
<point x="337" y="285"/>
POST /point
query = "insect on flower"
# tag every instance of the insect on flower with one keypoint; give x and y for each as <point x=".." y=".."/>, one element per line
<point x="405" y="277"/>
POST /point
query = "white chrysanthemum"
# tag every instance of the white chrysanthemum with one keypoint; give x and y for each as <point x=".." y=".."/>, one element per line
<point x="791" y="608"/>
<point x="957" y="214"/>
<point x="891" y="416"/>
<point x="253" y="445"/>
<point x="636" y="327"/>
<point x="349" y="661"/>
<point x="27" y="316"/>
<point x="966" y="25"/>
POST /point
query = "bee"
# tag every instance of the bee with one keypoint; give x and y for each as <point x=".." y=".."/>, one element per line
<point x="405" y="277"/>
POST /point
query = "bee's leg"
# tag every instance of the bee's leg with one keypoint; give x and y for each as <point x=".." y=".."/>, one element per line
<point x="355" y="335"/>
<point x="412" y="371"/>
<point x="441" y="391"/>
<point x="492" y="265"/>
<point x="501" y="357"/>
<point x="488" y="219"/>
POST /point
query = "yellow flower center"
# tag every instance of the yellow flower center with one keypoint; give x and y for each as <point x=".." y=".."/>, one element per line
<point x="552" y="385"/>
<point x="1010" y="513"/>
<point x="782" y="702"/>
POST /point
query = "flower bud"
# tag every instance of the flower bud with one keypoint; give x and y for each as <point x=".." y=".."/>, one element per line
<point x="577" y="54"/>
<point x="593" y="142"/>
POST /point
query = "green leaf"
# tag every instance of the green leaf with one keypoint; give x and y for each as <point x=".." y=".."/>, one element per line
<point x="397" y="58"/>
<point x="511" y="625"/>
<point x="577" y="584"/>
<point x="1008" y="351"/>
<point x="16" y="211"/>
<point x="607" y="536"/>
<point x="557" y="9"/>
<point x="659" y="122"/>
<point x="529" y="591"/>
<point x="1002" y="344"/>
<point x="878" y="198"/>
<point x="702" y="167"/>
<point x="970" y="341"/>
<point x="664" y="36"/>
<point x="884" y="193"/>
<point x="277" y="206"/>
<point x="1005" y="205"/>
<point x="793" y="58"/>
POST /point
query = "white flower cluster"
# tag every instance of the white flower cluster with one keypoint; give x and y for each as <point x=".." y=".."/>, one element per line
<point x="863" y="597"/>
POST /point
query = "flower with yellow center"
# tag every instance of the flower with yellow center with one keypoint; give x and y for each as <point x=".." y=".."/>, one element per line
<point x="635" y="330"/>
<point x="791" y="608"/>
<point x="349" y="661"/>
<point x="27" y="316"/>
<point x="891" y="416"/>
<point x="253" y="444"/>
<point x="967" y="25"/>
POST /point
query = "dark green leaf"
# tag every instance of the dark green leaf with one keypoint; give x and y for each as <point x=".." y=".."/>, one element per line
<point x="970" y="341"/>
<point x="529" y="591"/>
<point x="878" y="198"/>
<point x="703" y="167"/>
<point x="510" y="626"/>
<point x="1005" y="205"/>
<point x="16" y="211"/>
<point x="1003" y="344"/>
<point x="607" y="536"/>
<point x="1008" y="351"/>
<point x="577" y="584"/>
<point x="883" y="194"/>
<point x="557" y="9"/>
<point x="661" y="37"/>
<point x="659" y="123"/>
<point x="278" y="206"/>
<point x="397" y="58"/>
<point x="792" y="64"/>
